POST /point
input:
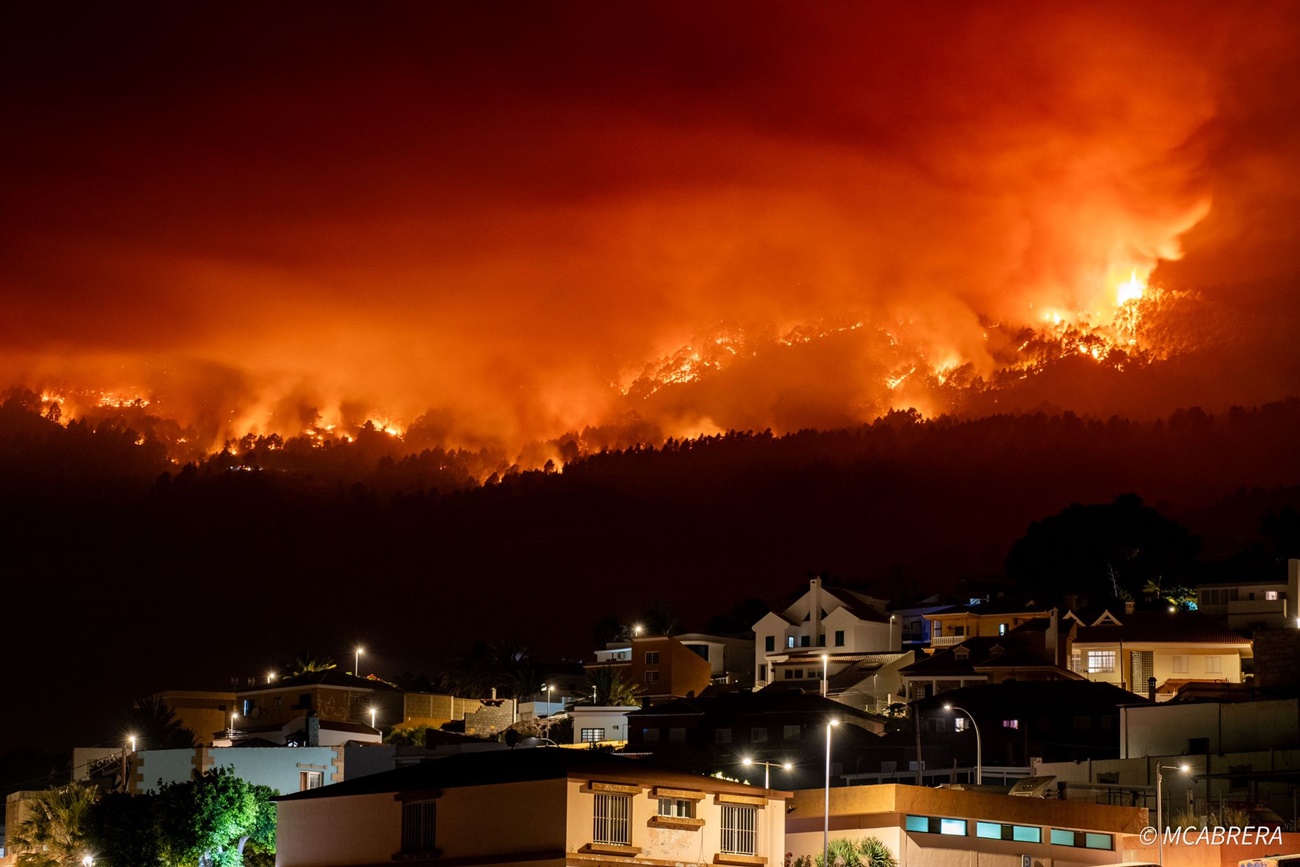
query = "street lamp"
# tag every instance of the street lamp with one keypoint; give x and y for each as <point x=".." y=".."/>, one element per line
<point x="825" y="659"/>
<point x="636" y="630"/>
<point x="979" y="750"/>
<point x="767" y="769"/>
<point x="891" y="631"/>
<point x="230" y="733"/>
<point x="372" y="716"/>
<point x="132" y="739"/>
<point x="87" y="860"/>
<point x="1160" y="816"/>
<point x="356" y="666"/>
<point x="826" y="824"/>
<point x="270" y="677"/>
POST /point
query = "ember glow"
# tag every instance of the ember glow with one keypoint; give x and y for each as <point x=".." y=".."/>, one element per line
<point x="492" y="226"/>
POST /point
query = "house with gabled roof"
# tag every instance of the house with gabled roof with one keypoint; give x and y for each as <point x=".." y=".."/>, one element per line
<point x="1154" y="653"/>
<point x="864" y="681"/>
<point x="988" y="617"/>
<point x="982" y="660"/>
<point x="837" y="619"/>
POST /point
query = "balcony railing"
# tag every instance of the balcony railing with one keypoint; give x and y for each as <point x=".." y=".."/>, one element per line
<point x="946" y="640"/>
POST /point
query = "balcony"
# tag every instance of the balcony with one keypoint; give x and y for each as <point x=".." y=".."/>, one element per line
<point x="947" y="640"/>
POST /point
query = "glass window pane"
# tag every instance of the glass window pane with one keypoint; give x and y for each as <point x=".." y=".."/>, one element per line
<point x="988" y="830"/>
<point x="953" y="827"/>
<point x="1026" y="834"/>
<point x="918" y="823"/>
<point x="1097" y="841"/>
<point x="1062" y="837"/>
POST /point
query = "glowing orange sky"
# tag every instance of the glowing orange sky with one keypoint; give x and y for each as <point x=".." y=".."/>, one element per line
<point x="503" y="213"/>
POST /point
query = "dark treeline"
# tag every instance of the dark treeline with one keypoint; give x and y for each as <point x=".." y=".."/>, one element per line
<point x="214" y="569"/>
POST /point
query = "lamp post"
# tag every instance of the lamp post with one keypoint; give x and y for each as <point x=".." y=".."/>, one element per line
<point x="979" y="750"/>
<point x="230" y="733"/>
<point x="825" y="659"/>
<point x="356" y="665"/>
<point x="826" y="823"/>
<point x="1160" y="815"/>
<point x="549" y="687"/>
<point x="270" y="677"/>
<point x="767" y="769"/>
<point x="372" y="717"/>
<point x="891" y="631"/>
<point x="875" y="693"/>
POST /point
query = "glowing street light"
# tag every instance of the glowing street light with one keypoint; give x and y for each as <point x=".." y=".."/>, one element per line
<point x="87" y="860"/>
<point x="891" y="631"/>
<point x="132" y="740"/>
<point x="230" y="733"/>
<point x="356" y="666"/>
<point x="372" y="717"/>
<point x="826" y="825"/>
<point x="767" y="769"/>
<point x="549" y="687"/>
<point x="825" y="659"/>
<point x="979" y="750"/>
<point x="1160" y="816"/>
<point x="270" y="677"/>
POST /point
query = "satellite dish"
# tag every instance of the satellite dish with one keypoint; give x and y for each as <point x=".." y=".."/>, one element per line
<point x="1031" y="787"/>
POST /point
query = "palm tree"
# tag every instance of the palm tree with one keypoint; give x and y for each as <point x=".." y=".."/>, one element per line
<point x="55" y="834"/>
<point x="308" y="662"/>
<point x="867" y="852"/>
<point x="155" y="727"/>
<point x="612" y="689"/>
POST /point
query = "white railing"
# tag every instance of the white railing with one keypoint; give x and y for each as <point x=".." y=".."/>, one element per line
<point x="946" y="640"/>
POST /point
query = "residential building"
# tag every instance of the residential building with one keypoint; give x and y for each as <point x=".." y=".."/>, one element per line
<point x="283" y="769"/>
<point x="1016" y="656"/>
<point x="332" y="695"/>
<point x="839" y="620"/>
<point x="600" y="724"/>
<point x="991" y="618"/>
<point x="954" y="828"/>
<point x="1254" y="604"/>
<point x="661" y="666"/>
<point x="203" y="712"/>
<point x="716" y="732"/>
<point x="913" y="625"/>
<point x="1153" y="653"/>
<point x="731" y="659"/>
<point x="865" y="681"/>
<point x="541" y="807"/>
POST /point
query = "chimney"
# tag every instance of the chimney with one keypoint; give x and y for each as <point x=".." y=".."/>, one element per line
<point x="313" y="729"/>
<point x="1151" y="688"/>
<point x="1128" y="606"/>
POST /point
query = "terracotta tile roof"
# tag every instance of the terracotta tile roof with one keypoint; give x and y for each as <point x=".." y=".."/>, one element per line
<point x="1183" y="627"/>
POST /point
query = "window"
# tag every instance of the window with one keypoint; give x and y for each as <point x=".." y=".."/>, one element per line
<point x="821" y="640"/>
<point x="652" y="677"/>
<point x="790" y="733"/>
<point x="1002" y="629"/>
<point x="739" y="830"/>
<point x="677" y="735"/>
<point x="1011" y="723"/>
<point x="1017" y="833"/>
<point x="757" y="735"/>
<point x="789" y="674"/>
<point x="650" y="736"/>
<point x="769" y="643"/>
<point x="1270" y="595"/>
<point x="1076" y="662"/>
<point x="814" y="674"/>
<point x="277" y="702"/>
<point x="612" y="825"/>
<point x="418" y="826"/>
<point x="592" y="736"/>
<point x="1101" y="661"/>
<point x="678" y="808"/>
<point x="652" y="657"/>
<point x="960" y="723"/>
<point x="1180" y="665"/>
<point x="762" y="672"/>
<point x="1214" y="665"/>
<point x="722" y="736"/>
<point x="310" y="780"/>
<point x="798" y="674"/>
<point x="839" y="638"/>
<point x="1082" y="839"/>
<point x="789" y="642"/>
<point x="805" y="641"/>
<point x="936" y="825"/>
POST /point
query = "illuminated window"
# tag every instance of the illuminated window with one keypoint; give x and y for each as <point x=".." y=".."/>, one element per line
<point x="310" y="780"/>
<point x="418" y="826"/>
<point x="936" y="825"/>
<point x="739" y="830"/>
<point x="612" y="820"/>
<point x="1101" y="661"/>
<point x="592" y="736"/>
<point x="1011" y="723"/>
<point x="1002" y="629"/>
<point x="1017" y="833"/>
<point x="1081" y="839"/>
<point x="789" y="642"/>
<point x="960" y="723"/>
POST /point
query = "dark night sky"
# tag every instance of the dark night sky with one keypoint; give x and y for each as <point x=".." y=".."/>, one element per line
<point x="524" y="218"/>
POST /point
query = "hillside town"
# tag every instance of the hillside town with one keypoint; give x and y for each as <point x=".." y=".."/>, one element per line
<point x="1008" y="729"/>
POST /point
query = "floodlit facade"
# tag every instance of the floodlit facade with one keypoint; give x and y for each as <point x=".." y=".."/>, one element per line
<point x="545" y="806"/>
